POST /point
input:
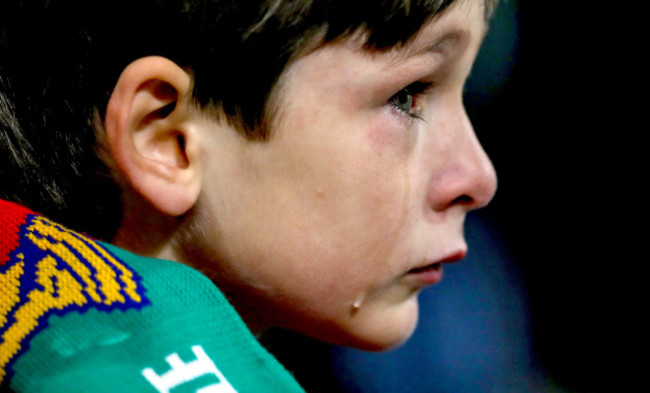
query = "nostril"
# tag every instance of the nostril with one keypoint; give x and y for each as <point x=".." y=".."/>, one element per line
<point x="463" y="200"/>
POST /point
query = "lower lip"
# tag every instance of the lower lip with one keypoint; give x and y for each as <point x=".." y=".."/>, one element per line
<point x="426" y="276"/>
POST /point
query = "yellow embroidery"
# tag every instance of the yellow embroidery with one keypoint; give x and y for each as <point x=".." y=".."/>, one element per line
<point x="10" y="284"/>
<point x="70" y="272"/>
<point x="68" y="292"/>
<point x="42" y="230"/>
<point x="131" y="288"/>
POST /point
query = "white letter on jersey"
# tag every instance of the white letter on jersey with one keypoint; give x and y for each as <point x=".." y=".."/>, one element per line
<point x="181" y="373"/>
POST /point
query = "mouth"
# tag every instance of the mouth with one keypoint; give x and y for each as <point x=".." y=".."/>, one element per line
<point x="432" y="273"/>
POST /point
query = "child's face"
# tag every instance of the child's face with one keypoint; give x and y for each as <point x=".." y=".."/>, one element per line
<point x="325" y="228"/>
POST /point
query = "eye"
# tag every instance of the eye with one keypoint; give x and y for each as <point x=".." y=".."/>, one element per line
<point x="404" y="100"/>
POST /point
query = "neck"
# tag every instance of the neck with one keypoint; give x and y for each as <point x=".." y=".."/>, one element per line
<point x="146" y="232"/>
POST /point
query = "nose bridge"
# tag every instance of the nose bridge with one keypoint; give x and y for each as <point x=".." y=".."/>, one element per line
<point x="468" y="177"/>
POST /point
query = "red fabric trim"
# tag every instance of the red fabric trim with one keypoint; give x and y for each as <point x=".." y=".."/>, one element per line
<point x="12" y="216"/>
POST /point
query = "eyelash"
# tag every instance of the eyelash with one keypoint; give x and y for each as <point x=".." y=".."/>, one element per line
<point x="414" y="90"/>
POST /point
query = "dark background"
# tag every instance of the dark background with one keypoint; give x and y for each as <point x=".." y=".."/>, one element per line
<point x="554" y="135"/>
<point x="543" y="302"/>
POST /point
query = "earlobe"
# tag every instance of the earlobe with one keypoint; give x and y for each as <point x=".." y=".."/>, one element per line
<point x="150" y="134"/>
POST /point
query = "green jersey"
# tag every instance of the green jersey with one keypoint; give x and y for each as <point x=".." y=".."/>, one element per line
<point x="77" y="315"/>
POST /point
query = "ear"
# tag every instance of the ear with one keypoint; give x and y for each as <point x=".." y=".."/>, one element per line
<point x="150" y="135"/>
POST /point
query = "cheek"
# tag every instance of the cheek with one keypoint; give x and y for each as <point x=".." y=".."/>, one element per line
<point x="380" y="197"/>
<point x="391" y="171"/>
<point x="366" y="216"/>
<point x="317" y="220"/>
<point x="342" y="231"/>
<point x="363" y="202"/>
<point x="392" y="133"/>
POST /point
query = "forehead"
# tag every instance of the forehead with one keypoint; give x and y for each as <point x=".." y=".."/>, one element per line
<point x="460" y="25"/>
<point x="463" y="22"/>
<point x="449" y="33"/>
<point x="384" y="31"/>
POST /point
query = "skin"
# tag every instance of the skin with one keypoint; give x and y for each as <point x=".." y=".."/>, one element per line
<point x="319" y="228"/>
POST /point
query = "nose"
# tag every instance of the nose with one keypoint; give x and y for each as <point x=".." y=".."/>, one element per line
<point x="464" y="175"/>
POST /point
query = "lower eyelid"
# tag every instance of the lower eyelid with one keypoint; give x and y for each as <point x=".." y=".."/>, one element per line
<point x="401" y="116"/>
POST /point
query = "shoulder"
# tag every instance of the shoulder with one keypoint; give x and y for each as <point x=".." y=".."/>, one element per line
<point x="77" y="314"/>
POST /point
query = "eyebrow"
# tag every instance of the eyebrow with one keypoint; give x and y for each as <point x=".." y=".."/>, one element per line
<point x="443" y="44"/>
<point x="448" y="41"/>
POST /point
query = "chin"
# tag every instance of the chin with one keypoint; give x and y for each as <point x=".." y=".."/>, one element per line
<point x="378" y="331"/>
<point x="388" y="338"/>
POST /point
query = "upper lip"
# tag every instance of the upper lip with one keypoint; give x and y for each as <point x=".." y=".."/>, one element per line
<point x="449" y="258"/>
<point x="453" y="257"/>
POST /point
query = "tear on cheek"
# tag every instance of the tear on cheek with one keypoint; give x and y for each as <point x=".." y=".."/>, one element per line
<point x="356" y="304"/>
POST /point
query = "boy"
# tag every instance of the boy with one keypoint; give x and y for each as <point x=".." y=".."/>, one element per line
<point x="313" y="159"/>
